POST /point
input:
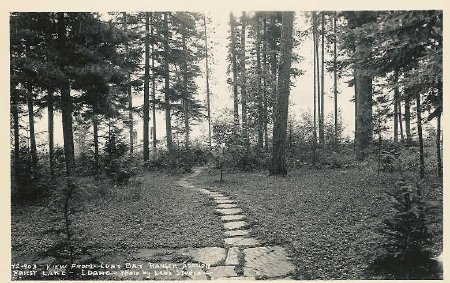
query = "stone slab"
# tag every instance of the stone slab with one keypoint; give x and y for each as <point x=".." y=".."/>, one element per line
<point x="241" y="242"/>
<point x="210" y="255"/>
<point x="229" y="211"/>
<point x="221" y="271"/>
<point x="234" y="225"/>
<point x="267" y="261"/>
<point x="234" y="233"/>
<point x="221" y="201"/>
<point x="232" y="217"/>
<point x="232" y="256"/>
<point x="227" y="205"/>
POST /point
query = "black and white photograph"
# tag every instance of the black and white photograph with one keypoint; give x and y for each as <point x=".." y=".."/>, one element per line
<point x="225" y="144"/>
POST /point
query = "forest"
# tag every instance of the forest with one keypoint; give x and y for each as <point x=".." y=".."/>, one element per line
<point x="333" y="206"/>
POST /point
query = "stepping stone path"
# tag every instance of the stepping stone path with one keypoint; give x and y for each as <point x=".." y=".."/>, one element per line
<point x="243" y="258"/>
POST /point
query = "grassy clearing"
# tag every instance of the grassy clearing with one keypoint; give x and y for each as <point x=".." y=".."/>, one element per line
<point x="326" y="218"/>
<point x="150" y="212"/>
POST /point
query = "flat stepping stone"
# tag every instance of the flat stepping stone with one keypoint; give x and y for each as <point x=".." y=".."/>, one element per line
<point x="234" y="233"/>
<point x="223" y="201"/>
<point x="267" y="261"/>
<point x="221" y="271"/>
<point x="242" y="242"/>
<point x="205" y="191"/>
<point x="234" y="225"/>
<point x="215" y="194"/>
<point x="227" y="205"/>
<point x="211" y="256"/>
<point x="233" y="217"/>
<point x="229" y="211"/>
<point x="220" y="198"/>
<point x="232" y="256"/>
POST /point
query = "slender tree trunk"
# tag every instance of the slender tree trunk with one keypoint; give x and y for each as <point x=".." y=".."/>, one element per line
<point x="51" y="133"/>
<point x="314" y="30"/>
<point x="438" y="132"/>
<point x="400" y="121"/>
<point x="364" y="127"/>
<point x="265" y="106"/>
<point x="322" y="82"/>
<point x="153" y="86"/>
<point x="166" y="83"/>
<point x="260" y="141"/>
<point x="396" y="99"/>
<point x="234" y="70"/>
<point x="146" y="89"/>
<point x="130" y="97"/>
<point x="33" y="150"/>
<point x="15" y="114"/>
<point x="336" y="134"/>
<point x="66" y="109"/>
<point x="243" y="86"/>
<point x="185" y="95"/>
<point x="408" y="118"/>
<point x="208" y="99"/>
<point x="96" y="151"/>
<point x="420" y="136"/>
<point x="273" y="63"/>
<point x="318" y="83"/>
<point x="278" y="166"/>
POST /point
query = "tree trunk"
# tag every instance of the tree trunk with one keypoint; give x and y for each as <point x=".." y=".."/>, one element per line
<point x="420" y="136"/>
<point x="243" y="86"/>
<point x="146" y="89"/>
<point x="336" y="137"/>
<point x="322" y="83"/>
<point x="438" y="131"/>
<point x="66" y="111"/>
<point x="278" y="166"/>
<point x="153" y="87"/>
<point x="317" y="76"/>
<point x="364" y="127"/>
<point x="265" y="106"/>
<point x="208" y="101"/>
<point x="408" y="117"/>
<point x="396" y="99"/>
<point x="33" y="150"/>
<point x="166" y="83"/>
<point x="51" y="133"/>
<point x="130" y="97"/>
<point x="96" y="151"/>
<point x="15" y="115"/>
<point x="273" y="63"/>
<point x="314" y="30"/>
<point x="260" y="140"/>
<point x="400" y="122"/>
<point x="234" y="70"/>
<point x="185" y="95"/>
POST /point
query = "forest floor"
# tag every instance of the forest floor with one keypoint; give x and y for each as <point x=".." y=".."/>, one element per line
<point x="325" y="218"/>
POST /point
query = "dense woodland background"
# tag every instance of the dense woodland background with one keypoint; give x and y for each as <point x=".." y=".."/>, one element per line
<point x="89" y="66"/>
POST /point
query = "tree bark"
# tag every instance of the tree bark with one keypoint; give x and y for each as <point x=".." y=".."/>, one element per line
<point x="96" y="149"/>
<point x="66" y="110"/>
<point x="130" y="97"/>
<point x="264" y="70"/>
<point x="317" y="76"/>
<point x="314" y="30"/>
<point x="33" y="150"/>
<point x="400" y="121"/>
<point x="396" y="99"/>
<point x="51" y="133"/>
<point x="234" y="70"/>
<point x="336" y="137"/>
<point x="185" y="95"/>
<point x="273" y="63"/>
<point x="438" y="131"/>
<point x="420" y="136"/>
<point x="208" y="99"/>
<point x="278" y="166"/>
<point x="153" y="87"/>
<point x="166" y="84"/>
<point x="243" y="86"/>
<point x="260" y="140"/>
<point x="364" y="127"/>
<point x="146" y="89"/>
<point x="15" y="115"/>
<point x="322" y="83"/>
<point x="408" y="117"/>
